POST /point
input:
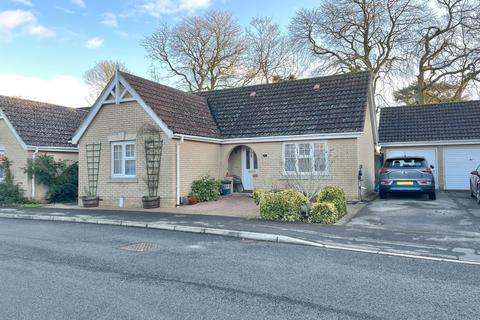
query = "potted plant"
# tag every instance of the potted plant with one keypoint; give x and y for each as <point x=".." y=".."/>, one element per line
<point x="90" y="199"/>
<point x="192" y="199"/>
<point x="153" y="154"/>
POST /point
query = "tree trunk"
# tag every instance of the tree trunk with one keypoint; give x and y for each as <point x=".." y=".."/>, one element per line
<point x="421" y="87"/>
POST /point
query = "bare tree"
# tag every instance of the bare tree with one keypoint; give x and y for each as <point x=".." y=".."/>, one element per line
<point x="449" y="48"/>
<point x="99" y="75"/>
<point x="357" y="35"/>
<point x="202" y="52"/>
<point x="269" y="55"/>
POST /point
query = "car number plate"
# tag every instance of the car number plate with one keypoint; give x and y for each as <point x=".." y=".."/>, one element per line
<point x="405" y="183"/>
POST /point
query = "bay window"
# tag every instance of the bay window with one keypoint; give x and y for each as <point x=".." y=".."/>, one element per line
<point x="124" y="163"/>
<point x="305" y="158"/>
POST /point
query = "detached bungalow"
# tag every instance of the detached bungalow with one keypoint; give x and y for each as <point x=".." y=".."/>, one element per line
<point x="320" y="128"/>
<point x="28" y="128"/>
<point x="447" y="134"/>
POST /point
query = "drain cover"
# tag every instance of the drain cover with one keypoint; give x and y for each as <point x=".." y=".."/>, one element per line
<point x="141" y="247"/>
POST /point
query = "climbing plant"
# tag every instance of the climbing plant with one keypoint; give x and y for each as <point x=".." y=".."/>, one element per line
<point x="10" y="192"/>
<point x="60" y="177"/>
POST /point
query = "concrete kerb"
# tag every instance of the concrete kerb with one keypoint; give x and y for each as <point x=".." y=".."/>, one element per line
<point x="227" y="233"/>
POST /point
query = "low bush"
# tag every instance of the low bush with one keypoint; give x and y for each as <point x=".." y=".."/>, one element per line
<point x="334" y="195"/>
<point x="10" y="192"/>
<point x="206" y="188"/>
<point x="258" y="195"/>
<point x="323" y="212"/>
<point x="283" y="205"/>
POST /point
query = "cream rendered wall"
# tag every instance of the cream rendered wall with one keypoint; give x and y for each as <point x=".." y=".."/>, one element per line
<point x="196" y="160"/>
<point x="235" y="162"/>
<point x="343" y="163"/>
<point x="366" y="155"/>
<point x="16" y="154"/>
<point x="126" y="118"/>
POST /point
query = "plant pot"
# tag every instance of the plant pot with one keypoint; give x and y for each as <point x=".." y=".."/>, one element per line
<point x="90" y="202"/>
<point x="151" y="202"/>
<point x="192" y="200"/>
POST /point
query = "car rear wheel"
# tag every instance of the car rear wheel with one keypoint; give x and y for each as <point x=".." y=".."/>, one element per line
<point x="432" y="196"/>
<point x="478" y="196"/>
<point x="382" y="194"/>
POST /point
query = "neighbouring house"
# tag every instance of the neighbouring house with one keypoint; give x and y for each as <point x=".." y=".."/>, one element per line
<point x="447" y="134"/>
<point x="269" y="135"/>
<point x="29" y="128"/>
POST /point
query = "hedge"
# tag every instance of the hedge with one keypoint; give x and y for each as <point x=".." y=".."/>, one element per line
<point x="334" y="195"/>
<point x="258" y="195"/>
<point x="283" y="205"/>
<point x="323" y="212"/>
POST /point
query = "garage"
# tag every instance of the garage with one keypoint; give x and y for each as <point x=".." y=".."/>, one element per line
<point x="429" y="154"/>
<point x="458" y="163"/>
<point x="446" y="134"/>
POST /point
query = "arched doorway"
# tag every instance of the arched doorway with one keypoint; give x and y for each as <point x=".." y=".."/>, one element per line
<point x="243" y="162"/>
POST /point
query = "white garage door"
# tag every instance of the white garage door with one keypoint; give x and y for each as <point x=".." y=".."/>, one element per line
<point x="429" y="154"/>
<point x="458" y="165"/>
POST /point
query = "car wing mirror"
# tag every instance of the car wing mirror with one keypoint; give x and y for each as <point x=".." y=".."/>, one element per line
<point x="431" y="166"/>
<point x="475" y="173"/>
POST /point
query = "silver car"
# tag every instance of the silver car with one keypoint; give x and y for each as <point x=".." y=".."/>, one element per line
<point x="407" y="175"/>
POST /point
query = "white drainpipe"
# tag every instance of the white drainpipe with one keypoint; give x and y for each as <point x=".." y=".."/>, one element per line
<point x="178" y="170"/>
<point x="33" y="175"/>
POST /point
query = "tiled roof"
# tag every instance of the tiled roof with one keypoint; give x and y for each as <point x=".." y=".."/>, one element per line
<point x="41" y="124"/>
<point x="435" y="122"/>
<point x="332" y="104"/>
<point x="182" y="112"/>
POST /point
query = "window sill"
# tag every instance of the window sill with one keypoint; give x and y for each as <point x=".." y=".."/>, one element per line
<point x="122" y="180"/>
<point x="307" y="177"/>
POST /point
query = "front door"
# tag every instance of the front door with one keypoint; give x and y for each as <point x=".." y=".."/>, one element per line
<point x="249" y="167"/>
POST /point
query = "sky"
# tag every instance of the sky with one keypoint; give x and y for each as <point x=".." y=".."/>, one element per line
<point x="47" y="45"/>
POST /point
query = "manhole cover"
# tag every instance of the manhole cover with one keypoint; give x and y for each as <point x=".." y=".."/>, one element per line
<point x="141" y="247"/>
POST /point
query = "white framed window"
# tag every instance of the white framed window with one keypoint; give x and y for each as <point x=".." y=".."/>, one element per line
<point x="2" y="168"/>
<point x="305" y="158"/>
<point x="124" y="162"/>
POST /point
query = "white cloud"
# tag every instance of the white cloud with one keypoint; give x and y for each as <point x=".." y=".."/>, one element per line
<point x="41" y="31"/>
<point x="63" y="90"/>
<point x="79" y="3"/>
<point x="12" y="21"/>
<point x="109" y="20"/>
<point x="24" y="2"/>
<point x="94" y="43"/>
<point x="157" y="8"/>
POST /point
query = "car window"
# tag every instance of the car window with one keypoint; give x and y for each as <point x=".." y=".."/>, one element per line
<point x="406" y="163"/>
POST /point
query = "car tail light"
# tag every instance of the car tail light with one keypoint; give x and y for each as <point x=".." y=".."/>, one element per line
<point x="424" y="182"/>
<point x="386" y="182"/>
<point x="383" y="171"/>
<point x="427" y="170"/>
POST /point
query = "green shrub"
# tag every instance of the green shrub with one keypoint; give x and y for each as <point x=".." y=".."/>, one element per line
<point x="10" y="192"/>
<point x="283" y="205"/>
<point x="60" y="178"/>
<point x="206" y="188"/>
<point x="323" y="212"/>
<point x="258" y="195"/>
<point x="335" y="195"/>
